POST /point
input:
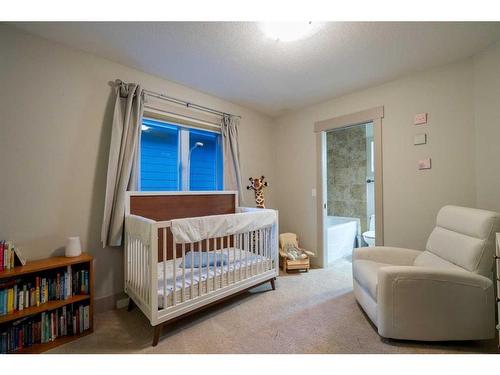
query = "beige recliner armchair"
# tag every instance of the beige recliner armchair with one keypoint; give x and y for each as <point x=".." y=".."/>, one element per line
<point x="443" y="293"/>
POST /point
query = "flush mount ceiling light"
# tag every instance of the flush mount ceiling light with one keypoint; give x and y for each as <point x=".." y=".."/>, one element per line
<point x="289" y="31"/>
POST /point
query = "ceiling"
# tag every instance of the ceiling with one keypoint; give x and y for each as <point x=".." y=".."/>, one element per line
<point x="236" y="62"/>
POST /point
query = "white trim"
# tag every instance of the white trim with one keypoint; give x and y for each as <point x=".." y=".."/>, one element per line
<point x="356" y="118"/>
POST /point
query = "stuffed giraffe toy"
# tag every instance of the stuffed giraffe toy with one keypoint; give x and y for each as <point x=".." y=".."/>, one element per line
<point x="257" y="184"/>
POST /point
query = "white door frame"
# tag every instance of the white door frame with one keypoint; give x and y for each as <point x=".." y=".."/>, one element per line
<point x="374" y="115"/>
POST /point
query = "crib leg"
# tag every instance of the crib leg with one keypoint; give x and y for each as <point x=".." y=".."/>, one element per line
<point x="273" y="284"/>
<point x="157" y="333"/>
<point x="131" y="304"/>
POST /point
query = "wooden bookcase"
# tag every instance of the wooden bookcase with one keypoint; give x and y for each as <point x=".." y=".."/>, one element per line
<point x="32" y="269"/>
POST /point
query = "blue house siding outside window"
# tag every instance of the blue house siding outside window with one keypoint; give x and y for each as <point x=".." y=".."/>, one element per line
<point x="162" y="154"/>
<point x="206" y="161"/>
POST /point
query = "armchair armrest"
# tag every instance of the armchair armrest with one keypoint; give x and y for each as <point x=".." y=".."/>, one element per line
<point x="394" y="274"/>
<point x="386" y="254"/>
<point x="434" y="304"/>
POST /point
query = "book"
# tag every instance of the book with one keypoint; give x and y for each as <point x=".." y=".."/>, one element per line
<point x="10" y="301"/>
<point x="80" y="318"/>
<point x="21" y="300"/>
<point x="86" y="317"/>
<point x="69" y="282"/>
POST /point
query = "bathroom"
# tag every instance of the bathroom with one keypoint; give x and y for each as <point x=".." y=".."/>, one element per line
<point x="350" y="220"/>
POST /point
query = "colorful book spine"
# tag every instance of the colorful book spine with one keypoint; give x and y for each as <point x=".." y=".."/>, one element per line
<point x="37" y="291"/>
<point x="69" y="282"/>
<point x="10" y="301"/>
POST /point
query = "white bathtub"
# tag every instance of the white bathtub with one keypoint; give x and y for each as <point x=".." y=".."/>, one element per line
<point x="341" y="237"/>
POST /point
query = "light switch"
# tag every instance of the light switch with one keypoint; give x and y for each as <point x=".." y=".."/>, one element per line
<point x="420" y="139"/>
<point x="420" y="119"/>
<point x="424" y="164"/>
<point x="313" y="192"/>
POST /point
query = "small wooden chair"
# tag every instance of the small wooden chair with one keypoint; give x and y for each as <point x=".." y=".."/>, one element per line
<point x="291" y="239"/>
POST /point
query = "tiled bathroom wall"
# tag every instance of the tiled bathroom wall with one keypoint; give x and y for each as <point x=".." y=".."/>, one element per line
<point x="346" y="173"/>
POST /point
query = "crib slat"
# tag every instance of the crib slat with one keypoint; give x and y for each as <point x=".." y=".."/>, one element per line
<point x="215" y="263"/>
<point x="133" y="263"/>
<point x="183" y="293"/>
<point x="266" y="247"/>
<point x="262" y="247"/>
<point x="257" y="250"/>
<point x="249" y="249"/>
<point x="165" y="279"/>
<point x="144" y="265"/>
<point x="148" y="274"/>
<point x="200" y="286"/>
<point x="134" y="254"/>
<point x="208" y="263"/>
<point x="192" y="269"/>
<point x="214" y="252"/>
<point x="174" y="267"/>
<point x="222" y="263"/>
<point x="263" y="260"/>
<point x="248" y="243"/>
<point x="259" y="260"/>
<point x="255" y="244"/>
<point x="249" y="253"/>
<point x="141" y="287"/>
<point x="228" y="244"/>
<point x="269" y="247"/>
<point x="139" y="268"/>
<point x="240" y="245"/>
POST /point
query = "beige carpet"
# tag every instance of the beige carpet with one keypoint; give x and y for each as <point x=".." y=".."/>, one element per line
<point x="311" y="312"/>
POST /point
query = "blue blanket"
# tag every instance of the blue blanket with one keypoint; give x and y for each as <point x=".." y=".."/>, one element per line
<point x="207" y="258"/>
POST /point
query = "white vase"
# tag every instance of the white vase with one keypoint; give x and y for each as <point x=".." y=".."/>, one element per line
<point x="73" y="247"/>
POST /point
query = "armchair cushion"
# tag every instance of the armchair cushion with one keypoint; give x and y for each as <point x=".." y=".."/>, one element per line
<point x="365" y="273"/>
<point x="430" y="260"/>
<point x="465" y="237"/>
<point x="386" y="254"/>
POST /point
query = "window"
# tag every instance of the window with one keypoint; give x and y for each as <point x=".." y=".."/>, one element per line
<point x="177" y="158"/>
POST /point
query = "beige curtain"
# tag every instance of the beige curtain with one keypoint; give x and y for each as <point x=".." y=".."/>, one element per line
<point x="122" y="164"/>
<point x="231" y="150"/>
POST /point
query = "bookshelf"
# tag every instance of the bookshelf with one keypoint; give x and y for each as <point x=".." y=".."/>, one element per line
<point x="38" y="267"/>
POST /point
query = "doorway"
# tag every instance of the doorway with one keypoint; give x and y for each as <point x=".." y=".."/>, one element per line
<point x="350" y="202"/>
<point x="349" y="185"/>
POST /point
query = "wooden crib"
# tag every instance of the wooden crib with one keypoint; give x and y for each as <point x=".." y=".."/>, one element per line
<point x="168" y="279"/>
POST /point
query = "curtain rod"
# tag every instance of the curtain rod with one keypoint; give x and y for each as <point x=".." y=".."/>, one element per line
<point x="181" y="102"/>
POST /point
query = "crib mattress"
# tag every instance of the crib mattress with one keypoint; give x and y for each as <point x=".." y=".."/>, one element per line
<point x="241" y="265"/>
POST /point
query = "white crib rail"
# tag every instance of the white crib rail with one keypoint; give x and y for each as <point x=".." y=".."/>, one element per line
<point x="169" y="288"/>
<point x="140" y="256"/>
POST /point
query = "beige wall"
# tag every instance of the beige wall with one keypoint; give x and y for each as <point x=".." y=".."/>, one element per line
<point x="55" y="117"/>
<point x="487" y="121"/>
<point x="411" y="197"/>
